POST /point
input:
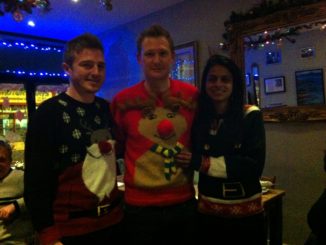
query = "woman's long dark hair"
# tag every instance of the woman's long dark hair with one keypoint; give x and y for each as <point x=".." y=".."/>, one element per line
<point x="234" y="114"/>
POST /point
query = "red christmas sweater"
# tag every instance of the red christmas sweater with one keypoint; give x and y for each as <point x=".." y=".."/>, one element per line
<point x="153" y="129"/>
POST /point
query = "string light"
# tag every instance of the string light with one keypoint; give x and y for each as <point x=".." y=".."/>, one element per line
<point x="30" y="46"/>
<point x="34" y="74"/>
<point x="271" y="38"/>
<point x="17" y="8"/>
<point x="31" y="23"/>
<point x="25" y="46"/>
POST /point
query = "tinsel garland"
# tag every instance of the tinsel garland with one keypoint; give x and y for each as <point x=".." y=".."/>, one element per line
<point x="18" y="7"/>
<point x="266" y="7"/>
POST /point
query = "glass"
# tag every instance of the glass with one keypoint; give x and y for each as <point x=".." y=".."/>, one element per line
<point x="13" y="118"/>
<point x="14" y="114"/>
<point x="44" y="92"/>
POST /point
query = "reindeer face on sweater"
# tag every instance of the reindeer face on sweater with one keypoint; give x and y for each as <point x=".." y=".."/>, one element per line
<point x="162" y="126"/>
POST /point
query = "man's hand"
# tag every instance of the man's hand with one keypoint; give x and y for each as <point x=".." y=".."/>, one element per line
<point x="7" y="212"/>
<point x="183" y="159"/>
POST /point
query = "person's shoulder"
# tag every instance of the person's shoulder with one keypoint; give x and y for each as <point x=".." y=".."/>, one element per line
<point x="101" y="100"/>
<point x="49" y="108"/>
<point x="183" y="86"/>
<point x="52" y="102"/>
<point x="131" y="91"/>
<point x="249" y="109"/>
<point x="16" y="173"/>
<point x="103" y="104"/>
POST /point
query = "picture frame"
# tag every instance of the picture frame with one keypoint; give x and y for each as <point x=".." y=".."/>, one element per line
<point x="307" y="52"/>
<point x="185" y="67"/>
<point x="310" y="87"/>
<point x="274" y="85"/>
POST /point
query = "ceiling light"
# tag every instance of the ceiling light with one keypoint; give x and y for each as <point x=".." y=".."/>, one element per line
<point x="31" y="23"/>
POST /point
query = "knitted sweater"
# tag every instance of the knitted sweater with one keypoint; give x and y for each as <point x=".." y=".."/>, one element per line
<point x="229" y="174"/>
<point x="153" y="129"/>
<point x="16" y="230"/>
<point x="70" y="167"/>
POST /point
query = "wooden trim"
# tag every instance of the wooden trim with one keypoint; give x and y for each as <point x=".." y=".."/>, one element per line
<point x="295" y="114"/>
<point x="280" y="19"/>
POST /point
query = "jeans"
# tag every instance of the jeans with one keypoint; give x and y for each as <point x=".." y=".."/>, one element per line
<point x="161" y="225"/>
<point x="232" y="231"/>
<point x="110" y="235"/>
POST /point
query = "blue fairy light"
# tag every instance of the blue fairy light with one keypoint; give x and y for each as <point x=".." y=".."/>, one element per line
<point x="31" y="46"/>
<point x="33" y="73"/>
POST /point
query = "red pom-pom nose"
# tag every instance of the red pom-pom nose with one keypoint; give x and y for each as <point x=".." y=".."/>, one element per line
<point x="105" y="147"/>
<point x="165" y="129"/>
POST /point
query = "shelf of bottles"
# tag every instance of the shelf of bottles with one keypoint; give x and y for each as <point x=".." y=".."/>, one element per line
<point x="14" y="116"/>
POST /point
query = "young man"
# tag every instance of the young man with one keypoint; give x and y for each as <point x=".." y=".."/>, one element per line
<point x="15" y="224"/>
<point x="154" y="119"/>
<point x="70" y="179"/>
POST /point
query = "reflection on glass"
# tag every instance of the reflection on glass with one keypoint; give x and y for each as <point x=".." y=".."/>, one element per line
<point x="13" y="114"/>
<point x="13" y="117"/>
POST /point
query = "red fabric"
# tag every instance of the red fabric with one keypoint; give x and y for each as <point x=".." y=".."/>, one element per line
<point x="49" y="235"/>
<point x="71" y="182"/>
<point x="231" y="210"/>
<point x="130" y="119"/>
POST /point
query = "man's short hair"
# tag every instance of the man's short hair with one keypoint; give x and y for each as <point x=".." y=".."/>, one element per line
<point x="78" y="44"/>
<point x="6" y="145"/>
<point x="154" y="31"/>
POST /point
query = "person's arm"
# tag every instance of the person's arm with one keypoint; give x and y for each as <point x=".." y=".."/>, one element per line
<point x="40" y="177"/>
<point x="118" y="129"/>
<point x="250" y="163"/>
<point x="317" y="216"/>
<point x="246" y="165"/>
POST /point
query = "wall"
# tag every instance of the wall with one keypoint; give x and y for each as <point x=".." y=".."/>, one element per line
<point x="291" y="61"/>
<point x="188" y="21"/>
<point x="294" y="151"/>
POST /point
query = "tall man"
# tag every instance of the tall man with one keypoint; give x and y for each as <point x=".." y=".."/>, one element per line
<point x="154" y="119"/>
<point x="70" y="179"/>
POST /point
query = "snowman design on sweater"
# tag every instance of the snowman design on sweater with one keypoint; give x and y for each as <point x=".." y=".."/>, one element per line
<point x="90" y="150"/>
<point x="99" y="168"/>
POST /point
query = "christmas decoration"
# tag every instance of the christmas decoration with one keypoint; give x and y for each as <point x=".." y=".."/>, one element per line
<point x="107" y="4"/>
<point x="18" y="7"/>
<point x="266" y="7"/>
<point x="276" y="37"/>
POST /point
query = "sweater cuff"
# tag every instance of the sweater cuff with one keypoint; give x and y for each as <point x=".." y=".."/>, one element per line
<point x="49" y="235"/>
<point x="217" y="167"/>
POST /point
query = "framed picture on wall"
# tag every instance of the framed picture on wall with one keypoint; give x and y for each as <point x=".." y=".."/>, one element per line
<point x="307" y="52"/>
<point x="185" y="67"/>
<point x="310" y="87"/>
<point x="274" y="85"/>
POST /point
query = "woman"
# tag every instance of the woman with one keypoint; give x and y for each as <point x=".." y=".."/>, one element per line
<point x="229" y="152"/>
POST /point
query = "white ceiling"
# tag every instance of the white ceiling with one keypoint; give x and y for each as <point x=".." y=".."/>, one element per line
<point x="68" y="19"/>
